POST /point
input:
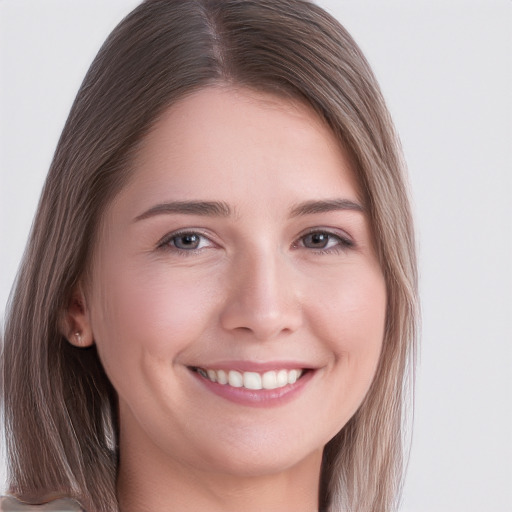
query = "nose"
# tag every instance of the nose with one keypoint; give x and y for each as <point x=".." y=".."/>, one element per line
<point x="263" y="300"/>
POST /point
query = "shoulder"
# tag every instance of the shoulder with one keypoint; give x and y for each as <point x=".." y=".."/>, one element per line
<point x="10" y="504"/>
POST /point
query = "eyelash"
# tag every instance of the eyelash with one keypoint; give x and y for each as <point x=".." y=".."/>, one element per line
<point x="344" y="242"/>
<point x="165" y="243"/>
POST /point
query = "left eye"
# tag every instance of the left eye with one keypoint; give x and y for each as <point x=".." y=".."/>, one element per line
<point x="323" y="240"/>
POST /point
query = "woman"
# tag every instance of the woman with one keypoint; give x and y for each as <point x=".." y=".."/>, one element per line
<point x="216" y="310"/>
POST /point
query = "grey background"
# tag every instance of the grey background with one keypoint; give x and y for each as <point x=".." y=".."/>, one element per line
<point x="445" y="69"/>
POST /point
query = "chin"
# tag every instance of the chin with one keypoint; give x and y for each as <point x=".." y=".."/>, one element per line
<point x="259" y="455"/>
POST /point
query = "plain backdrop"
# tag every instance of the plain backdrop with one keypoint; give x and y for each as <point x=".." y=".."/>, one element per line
<point x="445" y="70"/>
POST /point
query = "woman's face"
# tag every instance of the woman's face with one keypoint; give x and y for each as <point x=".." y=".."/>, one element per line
<point x="239" y="250"/>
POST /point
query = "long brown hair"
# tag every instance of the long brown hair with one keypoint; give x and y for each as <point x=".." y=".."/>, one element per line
<point x="60" y="408"/>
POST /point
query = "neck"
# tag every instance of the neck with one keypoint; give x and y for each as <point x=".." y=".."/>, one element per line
<point x="148" y="482"/>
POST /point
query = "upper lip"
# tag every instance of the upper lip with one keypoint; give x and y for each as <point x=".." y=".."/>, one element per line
<point x="253" y="366"/>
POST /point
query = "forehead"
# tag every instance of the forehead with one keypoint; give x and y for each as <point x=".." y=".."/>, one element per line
<point x="231" y="144"/>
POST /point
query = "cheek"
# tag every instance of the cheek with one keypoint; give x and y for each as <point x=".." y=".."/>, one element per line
<point x="351" y="306"/>
<point x="351" y="321"/>
<point x="140" y="314"/>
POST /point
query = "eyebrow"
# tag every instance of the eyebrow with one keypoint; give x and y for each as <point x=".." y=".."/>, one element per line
<point x="222" y="209"/>
<point x="330" y="205"/>
<point x="205" y="208"/>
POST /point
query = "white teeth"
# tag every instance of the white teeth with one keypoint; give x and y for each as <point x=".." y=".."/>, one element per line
<point x="293" y="375"/>
<point x="235" y="379"/>
<point x="282" y="378"/>
<point x="252" y="380"/>
<point x="222" y="377"/>
<point x="269" y="380"/>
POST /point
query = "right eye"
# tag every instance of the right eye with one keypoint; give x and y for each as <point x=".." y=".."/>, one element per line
<point x="186" y="241"/>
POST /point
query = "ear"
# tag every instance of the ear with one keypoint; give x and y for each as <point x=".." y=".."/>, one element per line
<point x="75" y="323"/>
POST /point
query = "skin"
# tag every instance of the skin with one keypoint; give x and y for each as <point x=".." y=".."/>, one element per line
<point x="256" y="289"/>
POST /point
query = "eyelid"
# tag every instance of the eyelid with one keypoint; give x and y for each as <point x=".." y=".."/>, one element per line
<point x="337" y="232"/>
<point x="346" y="241"/>
<point x="164" y="242"/>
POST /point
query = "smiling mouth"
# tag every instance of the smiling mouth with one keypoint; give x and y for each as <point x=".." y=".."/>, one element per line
<point x="273" y="379"/>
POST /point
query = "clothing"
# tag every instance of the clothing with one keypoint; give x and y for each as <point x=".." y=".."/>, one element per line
<point x="10" y="504"/>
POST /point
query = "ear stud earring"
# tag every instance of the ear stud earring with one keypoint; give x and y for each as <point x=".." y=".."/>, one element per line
<point x="78" y="337"/>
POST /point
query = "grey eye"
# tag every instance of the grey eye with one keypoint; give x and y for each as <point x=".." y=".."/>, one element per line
<point x="317" y="240"/>
<point x="186" y="241"/>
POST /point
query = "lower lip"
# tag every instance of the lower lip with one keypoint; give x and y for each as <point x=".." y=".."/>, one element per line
<point x="257" y="397"/>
